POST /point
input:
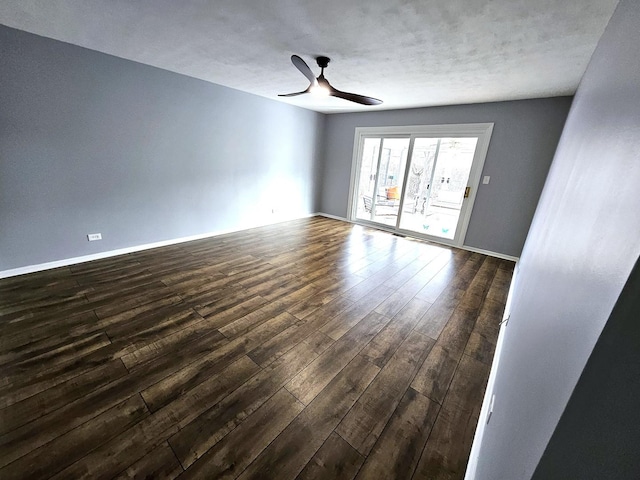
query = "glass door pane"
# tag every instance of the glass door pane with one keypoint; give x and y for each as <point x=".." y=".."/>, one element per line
<point x="392" y="166"/>
<point x="368" y="177"/>
<point x="381" y="177"/>
<point x="419" y="181"/>
<point x="440" y="171"/>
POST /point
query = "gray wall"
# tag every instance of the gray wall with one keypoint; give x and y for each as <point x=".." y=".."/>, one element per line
<point x="580" y="251"/>
<point x="525" y="137"/>
<point x="94" y="143"/>
<point x="598" y="435"/>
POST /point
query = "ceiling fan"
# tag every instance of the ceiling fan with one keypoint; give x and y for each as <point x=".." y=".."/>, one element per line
<point x="321" y="86"/>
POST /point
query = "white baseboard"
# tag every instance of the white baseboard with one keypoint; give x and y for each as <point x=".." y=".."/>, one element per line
<point x="334" y="217"/>
<point x="490" y="253"/>
<point x="14" y="272"/>
<point x="463" y="247"/>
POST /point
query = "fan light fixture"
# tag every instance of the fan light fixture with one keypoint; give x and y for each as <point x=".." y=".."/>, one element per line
<point x="319" y="90"/>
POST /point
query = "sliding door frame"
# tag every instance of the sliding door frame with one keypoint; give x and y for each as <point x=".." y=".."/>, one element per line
<point x="482" y="131"/>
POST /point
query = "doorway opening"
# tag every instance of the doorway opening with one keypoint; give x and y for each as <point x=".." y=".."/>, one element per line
<point x="420" y="181"/>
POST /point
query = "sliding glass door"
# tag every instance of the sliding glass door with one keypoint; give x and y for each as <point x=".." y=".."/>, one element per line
<point x="421" y="182"/>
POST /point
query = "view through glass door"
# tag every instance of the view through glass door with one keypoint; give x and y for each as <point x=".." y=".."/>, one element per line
<point x="422" y="183"/>
<point x="381" y="177"/>
<point x="438" y="175"/>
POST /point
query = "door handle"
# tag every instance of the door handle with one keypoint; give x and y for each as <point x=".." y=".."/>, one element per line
<point x="466" y="192"/>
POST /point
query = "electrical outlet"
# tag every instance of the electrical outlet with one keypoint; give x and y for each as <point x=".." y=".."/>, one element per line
<point x="92" y="237"/>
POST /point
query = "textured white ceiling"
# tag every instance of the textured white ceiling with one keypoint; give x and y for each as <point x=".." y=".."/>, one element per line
<point x="409" y="53"/>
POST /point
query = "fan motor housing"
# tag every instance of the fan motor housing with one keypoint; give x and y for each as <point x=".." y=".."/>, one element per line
<point x="323" y="61"/>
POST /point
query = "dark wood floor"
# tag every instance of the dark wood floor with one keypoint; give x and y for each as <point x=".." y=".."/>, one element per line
<point x="311" y="349"/>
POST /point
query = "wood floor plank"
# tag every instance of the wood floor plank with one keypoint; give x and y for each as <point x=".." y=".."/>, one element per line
<point x="468" y="271"/>
<point x="114" y="289"/>
<point x="60" y="421"/>
<point x="49" y="459"/>
<point x="47" y="427"/>
<point x="195" y="439"/>
<point x="425" y="267"/>
<point x="447" y="450"/>
<point x="468" y="383"/>
<point x="435" y="374"/>
<point x="11" y="324"/>
<point x="52" y="374"/>
<point x="107" y="265"/>
<point x="476" y="290"/>
<point x="363" y="288"/>
<point x="35" y="347"/>
<point x="60" y="354"/>
<point x="224" y="312"/>
<point x="125" y="304"/>
<point x="456" y="332"/>
<point x="319" y="342"/>
<point x="239" y="448"/>
<point x="287" y="339"/>
<point x="313" y="348"/>
<point x="127" y="448"/>
<point x="287" y="455"/>
<point x="43" y="279"/>
<point x="174" y="385"/>
<point x="343" y="322"/>
<point x="394" y="302"/>
<point x="438" y="315"/>
<point x="168" y="355"/>
<point x="384" y="345"/>
<point x="291" y="292"/>
<point x="159" y="463"/>
<point x="153" y="324"/>
<point x="33" y="407"/>
<point x="187" y="339"/>
<point x="336" y="459"/>
<point x="499" y="288"/>
<point x="475" y="278"/>
<point x="24" y="339"/>
<point x="489" y="318"/>
<point x="445" y="276"/>
<point x="366" y="420"/>
<point x="21" y="300"/>
<point x="326" y="294"/>
<point x="308" y="383"/>
<point x="257" y="317"/>
<point x="389" y="264"/>
<point x="397" y="451"/>
<point x="480" y="348"/>
<point x="18" y="315"/>
<point x="207" y="292"/>
<point x="407" y="291"/>
<point x="194" y="272"/>
<point x="140" y="314"/>
<point x="47" y="377"/>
